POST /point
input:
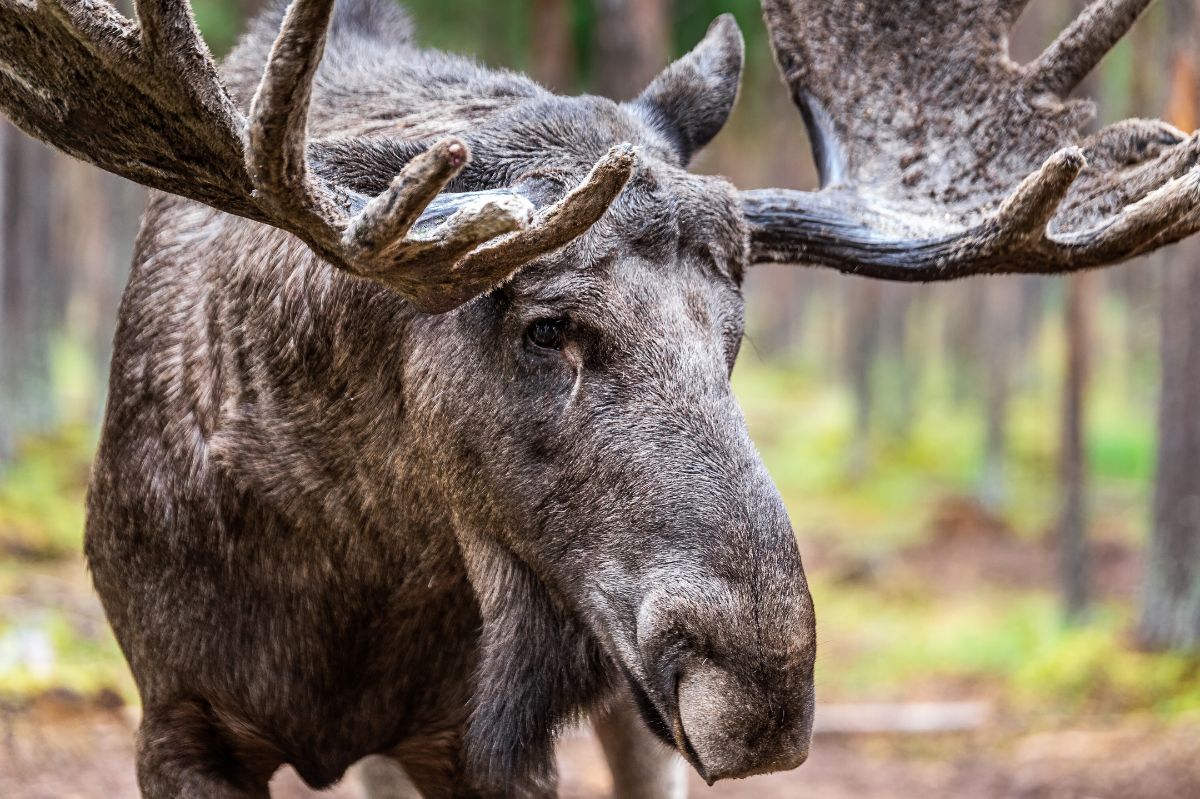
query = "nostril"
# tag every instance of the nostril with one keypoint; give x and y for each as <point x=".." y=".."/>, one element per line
<point x="682" y="741"/>
<point x="735" y="696"/>
<point x="728" y="727"/>
<point x="711" y="721"/>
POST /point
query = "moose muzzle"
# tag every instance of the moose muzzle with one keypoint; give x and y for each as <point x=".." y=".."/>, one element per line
<point x="722" y="729"/>
<point x="731" y="670"/>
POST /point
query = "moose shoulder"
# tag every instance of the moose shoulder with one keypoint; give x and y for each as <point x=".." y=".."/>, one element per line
<point x="420" y="438"/>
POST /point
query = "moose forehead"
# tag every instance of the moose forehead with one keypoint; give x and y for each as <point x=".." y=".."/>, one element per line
<point x="668" y="230"/>
<point x="665" y="212"/>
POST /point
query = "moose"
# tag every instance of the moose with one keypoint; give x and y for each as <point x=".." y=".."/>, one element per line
<point x="420" y="440"/>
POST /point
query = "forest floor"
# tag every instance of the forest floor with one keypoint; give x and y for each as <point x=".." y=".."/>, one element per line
<point x="1074" y="730"/>
<point x="59" y="752"/>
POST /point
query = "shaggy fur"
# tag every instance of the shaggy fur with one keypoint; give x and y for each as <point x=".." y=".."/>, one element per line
<point x="324" y="525"/>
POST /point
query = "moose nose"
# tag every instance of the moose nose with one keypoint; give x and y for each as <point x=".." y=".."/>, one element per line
<point x="724" y="731"/>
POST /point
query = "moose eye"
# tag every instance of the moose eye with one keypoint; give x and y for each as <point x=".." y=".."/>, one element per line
<point x="549" y="334"/>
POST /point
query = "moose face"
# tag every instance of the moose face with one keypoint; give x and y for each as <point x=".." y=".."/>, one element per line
<point x="596" y="445"/>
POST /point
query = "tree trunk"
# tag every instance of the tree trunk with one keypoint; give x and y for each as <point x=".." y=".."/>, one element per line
<point x="632" y="45"/>
<point x="553" y="61"/>
<point x="777" y="320"/>
<point x="30" y="274"/>
<point x="6" y="371"/>
<point x="1001" y="318"/>
<point x="862" y="343"/>
<point x="86" y="210"/>
<point x="1170" y="613"/>
<point x="1073" y="556"/>
<point x="896" y="305"/>
<point x="963" y="337"/>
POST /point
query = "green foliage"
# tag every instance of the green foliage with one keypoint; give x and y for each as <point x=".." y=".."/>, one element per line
<point x="500" y="33"/>
<point x="51" y="632"/>
<point x="1094" y="668"/>
<point x="691" y="21"/>
<point x="802" y="419"/>
<point x="497" y="33"/>
<point x="42" y="493"/>
<point x="885" y="641"/>
<point x="1012" y="646"/>
<point x="49" y="649"/>
<point x="221" y="22"/>
<point x="885" y="645"/>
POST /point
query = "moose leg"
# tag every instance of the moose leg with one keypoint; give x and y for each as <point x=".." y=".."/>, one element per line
<point x="422" y="780"/>
<point x="181" y="756"/>
<point x="642" y="768"/>
<point x="432" y="768"/>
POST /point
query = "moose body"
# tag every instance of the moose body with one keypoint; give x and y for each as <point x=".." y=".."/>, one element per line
<point x="420" y="438"/>
<point x="326" y="525"/>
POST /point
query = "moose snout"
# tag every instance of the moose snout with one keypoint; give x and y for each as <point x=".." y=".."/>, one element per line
<point x="730" y="730"/>
<point x="733" y="676"/>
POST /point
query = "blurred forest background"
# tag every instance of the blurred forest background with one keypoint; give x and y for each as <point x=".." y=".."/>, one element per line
<point x="995" y="483"/>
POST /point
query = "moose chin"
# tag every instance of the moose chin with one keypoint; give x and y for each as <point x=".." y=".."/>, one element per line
<point x="420" y="439"/>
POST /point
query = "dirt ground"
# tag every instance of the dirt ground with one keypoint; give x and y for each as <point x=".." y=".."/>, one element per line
<point x="62" y="747"/>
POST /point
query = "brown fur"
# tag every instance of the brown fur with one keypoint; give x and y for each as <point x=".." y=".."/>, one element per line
<point x="325" y="525"/>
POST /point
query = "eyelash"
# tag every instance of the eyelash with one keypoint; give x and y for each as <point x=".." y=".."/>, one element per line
<point x="547" y="334"/>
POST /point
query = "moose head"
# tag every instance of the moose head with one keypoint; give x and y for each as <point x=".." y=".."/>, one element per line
<point x="571" y="295"/>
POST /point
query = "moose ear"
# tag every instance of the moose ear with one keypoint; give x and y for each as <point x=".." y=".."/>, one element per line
<point x="690" y="100"/>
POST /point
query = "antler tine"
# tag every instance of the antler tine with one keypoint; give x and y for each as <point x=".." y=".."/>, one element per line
<point x="1078" y="49"/>
<point x="1163" y="216"/>
<point x="388" y="218"/>
<point x="492" y="263"/>
<point x="562" y="222"/>
<point x="168" y="31"/>
<point x="277" y="130"/>
<point x="424" y="270"/>
<point x="1034" y="202"/>
<point x="171" y="42"/>
<point x="98" y="24"/>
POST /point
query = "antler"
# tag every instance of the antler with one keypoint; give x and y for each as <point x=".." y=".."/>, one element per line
<point x="145" y="102"/>
<point x="940" y="157"/>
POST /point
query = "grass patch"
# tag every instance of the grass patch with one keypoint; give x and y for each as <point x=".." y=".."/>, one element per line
<point x="47" y="649"/>
<point x="1015" y="647"/>
<point x="42" y="495"/>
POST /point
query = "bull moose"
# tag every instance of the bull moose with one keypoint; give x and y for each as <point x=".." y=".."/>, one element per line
<point x="420" y="439"/>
